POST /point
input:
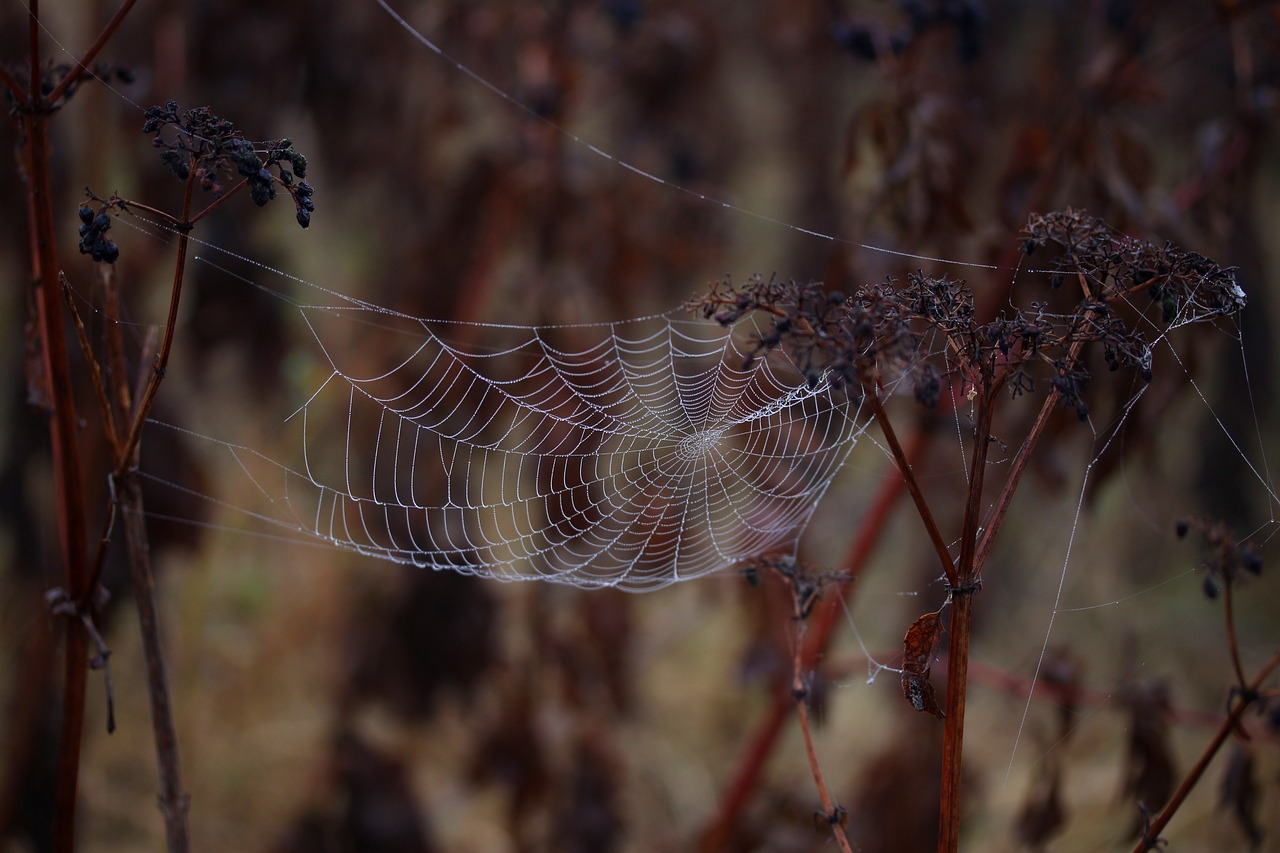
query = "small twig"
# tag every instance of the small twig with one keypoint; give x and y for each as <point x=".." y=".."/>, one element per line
<point x="125" y="460"/>
<point x="1019" y="465"/>
<point x="1233" y="644"/>
<point x="104" y="543"/>
<point x="803" y="596"/>
<point x="90" y="54"/>
<point x="174" y="801"/>
<point x="913" y="486"/>
<point x="218" y="202"/>
<point x="60" y="604"/>
<point x="99" y="386"/>
<point x="1151" y="835"/>
<point x="747" y="776"/>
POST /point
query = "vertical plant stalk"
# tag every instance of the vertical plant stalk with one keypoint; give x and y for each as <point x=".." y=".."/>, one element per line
<point x="747" y="776"/>
<point x="115" y="405"/>
<point x="834" y="814"/>
<point x="127" y="460"/>
<point x="1020" y="461"/>
<point x="907" y="472"/>
<point x="173" y="800"/>
<point x="55" y="389"/>
<point x="974" y="552"/>
<point x="961" y="629"/>
<point x="60" y="399"/>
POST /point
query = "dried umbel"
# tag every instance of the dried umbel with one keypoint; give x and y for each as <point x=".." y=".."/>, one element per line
<point x="197" y="140"/>
<point x="926" y="329"/>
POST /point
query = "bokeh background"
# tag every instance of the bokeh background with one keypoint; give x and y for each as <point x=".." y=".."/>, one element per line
<point x="331" y="703"/>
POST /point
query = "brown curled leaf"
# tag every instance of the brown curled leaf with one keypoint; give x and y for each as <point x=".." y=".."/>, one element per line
<point x="918" y="649"/>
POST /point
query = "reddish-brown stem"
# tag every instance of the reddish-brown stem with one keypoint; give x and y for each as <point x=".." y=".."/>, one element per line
<point x="960" y="630"/>
<point x="823" y="623"/>
<point x="1019" y="465"/>
<point x="968" y="571"/>
<point x="74" y="674"/>
<point x="182" y="224"/>
<point x="173" y="800"/>
<point x="953" y="732"/>
<point x="124" y="461"/>
<point x="33" y="56"/>
<point x="131" y="205"/>
<point x="1151" y="835"/>
<point x="1233" y="645"/>
<point x="83" y="62"/>
<point x="829" y="808"/>
<point x="913" y="487"/>
<point x="218" y="202"/>
<point x="62" y="434"/>
<point x="95" y="369"/>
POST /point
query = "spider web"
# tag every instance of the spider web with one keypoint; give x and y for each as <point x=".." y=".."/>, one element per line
<point x="632" y="454"/>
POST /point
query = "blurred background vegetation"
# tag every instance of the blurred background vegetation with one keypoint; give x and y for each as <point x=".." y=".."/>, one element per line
<point x="331" y="703"/>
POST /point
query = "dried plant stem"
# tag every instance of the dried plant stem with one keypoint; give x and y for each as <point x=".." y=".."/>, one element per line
<point x="90" y="53"/>
<point x="86" y="348"/>
<point x="1020" y="461"/>
<point x="913" y="487"/>
<point x="59" y="397"/>
<point x="827" y="616"/>
<point x="832" y="812"/>
<point x="953" y="731"/>
<point x="960" y="631"/>
<point x="1151" y="836"/>
<point x="173" y="800"/>
<point x="1233" y="645"/>
<point x="125" y="457"/>
<point x="54" y="387"/>
<point x="802" y="599"/>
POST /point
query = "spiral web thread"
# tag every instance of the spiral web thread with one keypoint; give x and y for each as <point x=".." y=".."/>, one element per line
<point x="632" y="455"/>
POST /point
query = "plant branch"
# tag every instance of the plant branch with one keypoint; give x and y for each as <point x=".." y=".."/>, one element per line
<point x="960" y="632"/>
<point x="173" y="800"/>
<point x="831" y="812"/>
<point x="58" y="394"/>
<point x="125" y="459"/>
<point x="1020" y="462"/>
<point x="747" y="776"/>
<point x="913" y="486"/>
<point x="1151" y="834"/>
<point x="115" y="360"/>
<point x="86" y="348"/>
<point x="218" y="202"/>
<point x="803" y="596"/>
<point x="1233" y="645"/>
<point x="83" y="62"/>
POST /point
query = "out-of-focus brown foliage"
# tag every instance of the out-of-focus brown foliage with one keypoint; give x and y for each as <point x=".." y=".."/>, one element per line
<point x="433" y="712"/>
<point x="1150" y="771"/>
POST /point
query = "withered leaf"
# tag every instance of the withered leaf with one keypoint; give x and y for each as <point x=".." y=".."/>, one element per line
<point x="1239" y="791"/>
<point x="918" y="648"/>
<point x="1043" y="814"/>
